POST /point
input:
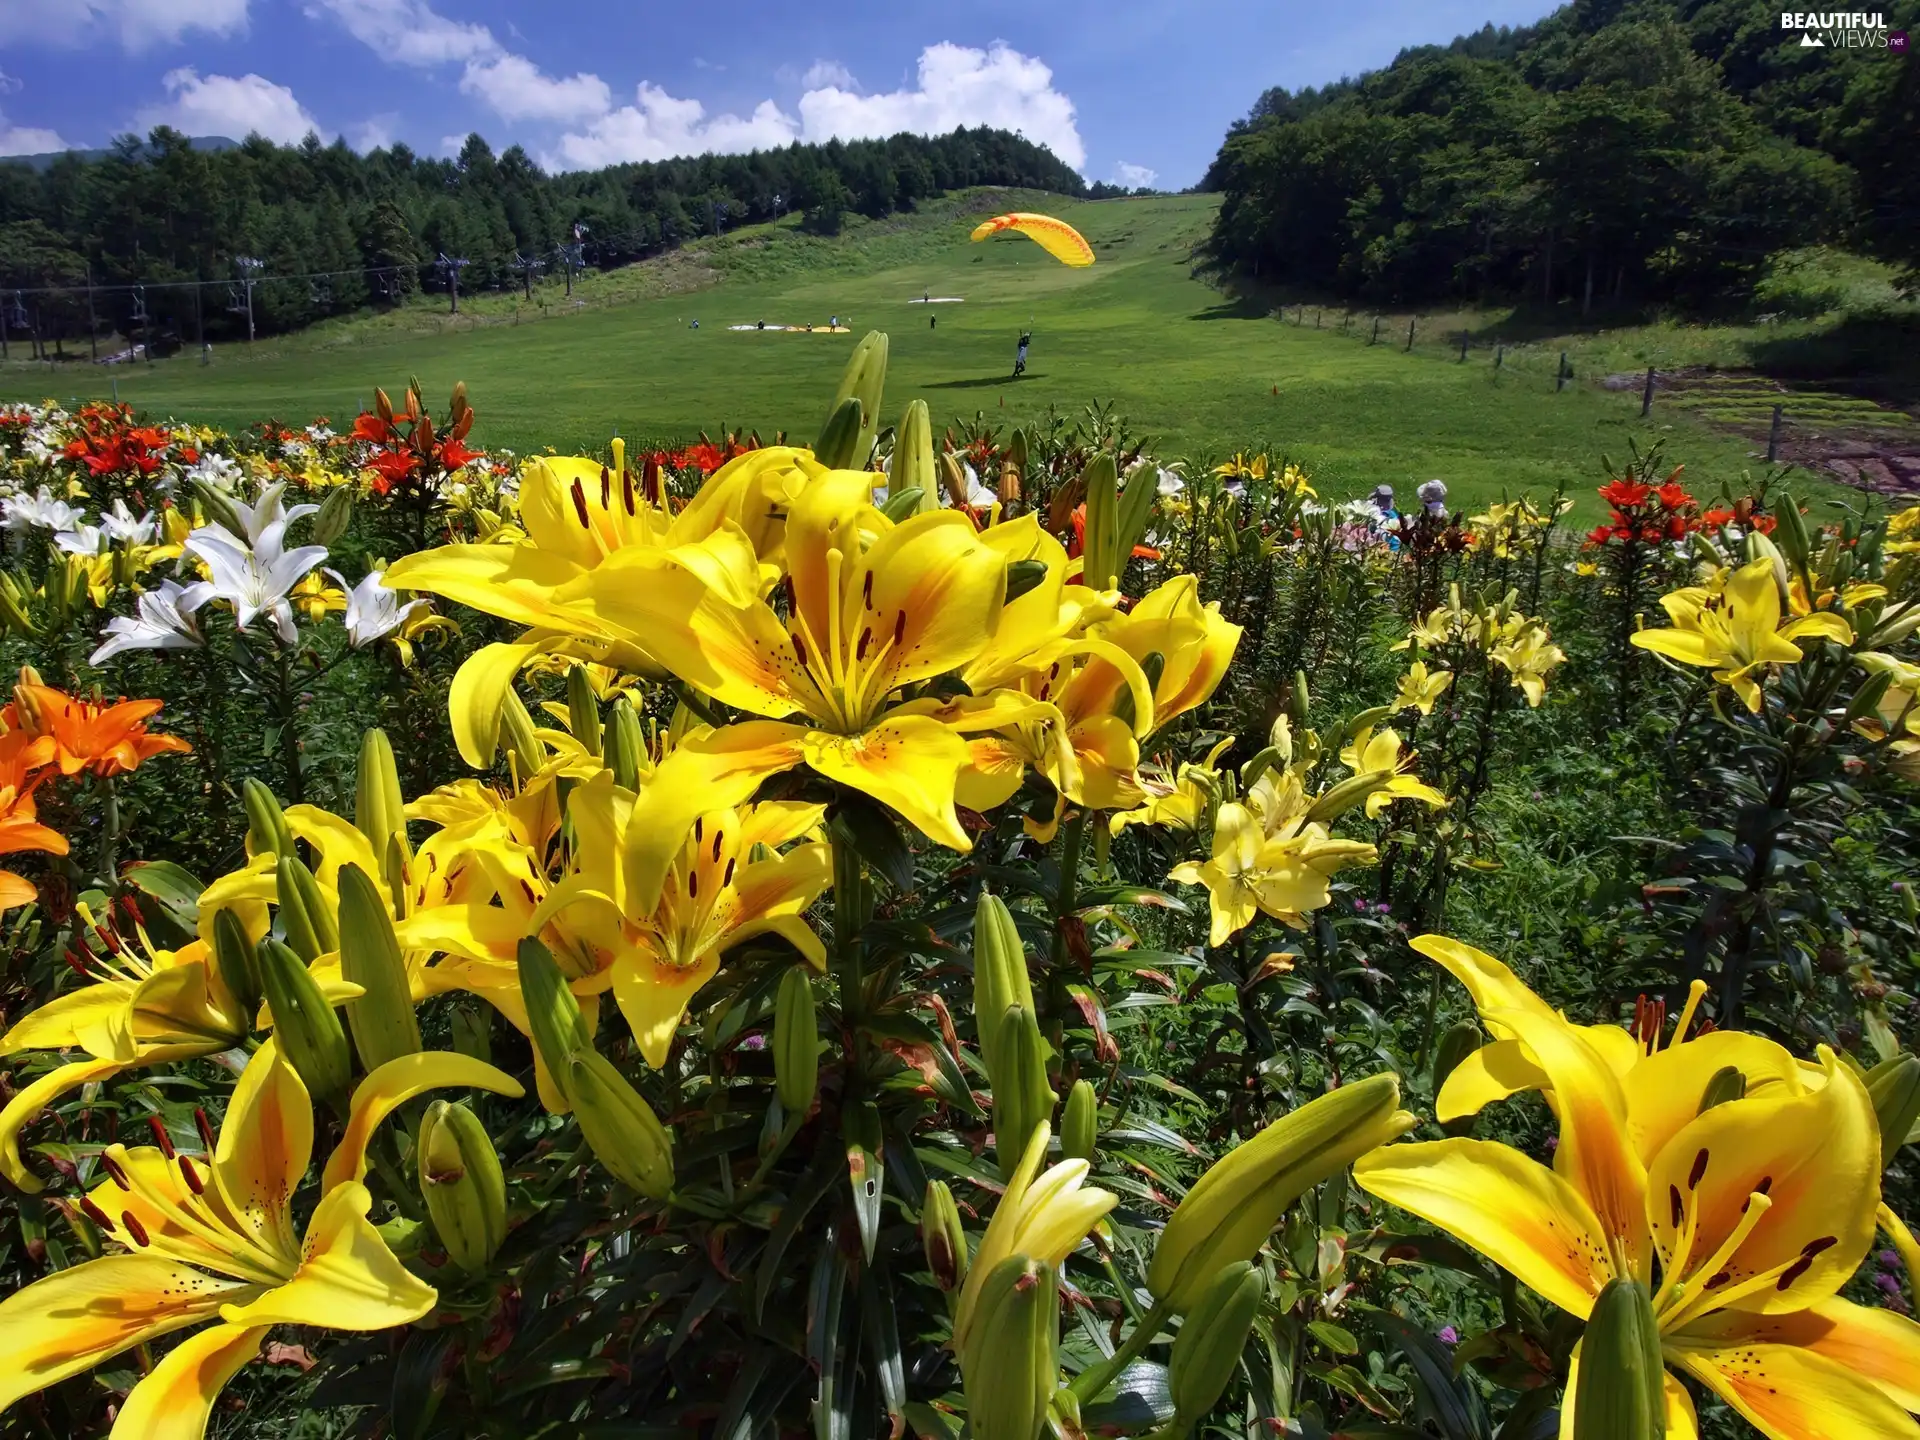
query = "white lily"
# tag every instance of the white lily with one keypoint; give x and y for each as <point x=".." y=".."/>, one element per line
<point x="122" y="526"/>
<point x="162" y="621"/>
<point x="83" y="540"/>
<point x="40" y="511"/>
<point x="979" y="497"/>
<point x="373" y="611"/>
<point x="266" y="521"/>
<point x="218" y="471"/>
<point x="255" y="578"/>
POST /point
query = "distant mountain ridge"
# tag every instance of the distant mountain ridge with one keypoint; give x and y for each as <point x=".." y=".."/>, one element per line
<point x="212" y="144"/>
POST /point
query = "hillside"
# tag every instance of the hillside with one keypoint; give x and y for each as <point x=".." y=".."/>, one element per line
<point x="1612" y="154"/>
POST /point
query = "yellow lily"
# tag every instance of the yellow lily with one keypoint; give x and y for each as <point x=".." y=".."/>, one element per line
<point x="1738" y="632"/>
<point x="1528" y="653"/>
<point x="1045" y="1217"/>
<point x="1897" y="720"/>
<point x="1036" y="625"/>
<point x="1744" y="1222"/>
<point x="870" y="608"/>
<point x="1421" y="689"/>
<point x="578" y="515"/>
<point x="1378" y="754"/>
<point x="213" y="1239"/>
<point x="316" y="599"/>
<point x="716" y="896"/>
<point x="1903" y="532"/>
<point x="1282" y="869"/>
<point x="1176" y="799"/>
<point x="1243" y="467"/>
<point x="143" y="1006"/>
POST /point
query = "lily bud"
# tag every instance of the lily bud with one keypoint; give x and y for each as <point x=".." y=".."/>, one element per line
<point x="840" y="437"/>
<point x="625" y="746"/>
<point x="942" y="1237"/>
<point x="553" y="1015"/>
<point x="1792" y="530"/>
<point x="382" y="1018"/>
<point x="335" y="513"/>
<point x="304" y="1024"/>
<point x="1759" y="547"/>
<point x="620" y="1127"/>
<point x="233" y="956"/>
<point x="1894" y="1087"/>
<point x="304" y="918"/>
<point x="1010" y="1365"/>
<point x="796" y="1044"/>
<point x="1208" y="1348"/>
<point x="912" y="467"/>
<point x="379" y="808"/>
<point x="1621" y="1392"/>
<point x="1301" y="702"/>
<point x="1231" y="1209"/>
<point x="462" y="1183"/>
<point x="1080" y="1122"/>
<point x="1000" y="974"/>
<point x="1348" y="793"/>
<point x="267" y="832"/>
<point x="583" y="710"/>
<point x="525" y="751"/>
<point x="1726" y="1085"/>
<point x="1022" y="576"/>
<point x="397" y="870"/>
<point x="1022" y="1098"/>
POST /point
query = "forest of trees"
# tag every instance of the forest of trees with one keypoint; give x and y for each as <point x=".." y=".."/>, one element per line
<point x="1614" y="153"/>
<point x="371" y="228"/>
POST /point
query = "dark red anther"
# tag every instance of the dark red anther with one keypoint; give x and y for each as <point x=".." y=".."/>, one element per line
<point x="192" y="1176"/>
<point x="866" y="591"/>
<point x="866" y="639"/>
<point x="900" y="627"/>
<point x="693" y="884"/>
<point x="115" y="1171"/>
<point x="160" y="1136"/>
<point x="606" y="489"/>
<point x="134" y="1228"/>
<point x="719" y="836"/>
<point x="800" y="650"/>
<point x="94" y="1213"/>
<point x="79" y="965"/>
<point x="626" y="489"/>
<point x="650" y="479"/>
<point x="205" y="1127"/>
<point x="580" y="505"/>
<point x="727" y="879"/>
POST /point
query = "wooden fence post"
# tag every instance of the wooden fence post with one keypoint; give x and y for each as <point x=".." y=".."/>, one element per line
<point x="1646" y="397"/>
<point x="1376" y="331"/>
<point x="1560" y="380"/>
<point x="1411" y="320"/>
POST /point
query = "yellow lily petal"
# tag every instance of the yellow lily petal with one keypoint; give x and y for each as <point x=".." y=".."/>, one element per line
<point x="348" y="1279"/>
<point x="1821" y="625"/>
<point x="96" y="1018"/>
<point x="28" y="1103"/>
<point x="933" y="572"/>
<point x="654" y="996"/>
<point x="1689" y="647"/>
<point x="1664" y="1090"/>
<point x="1594" y="1153"/>
<point x="1792" y="1394"/>
<point x="266" y="1141"/>
<point x="395" y="1083"/>
<point x="1490" y="984"/>
<point x="909" y="763"/>
<point x="1877" y="1345"/>
<point x="1491" y="1073"/>
<point x="176" y="1400"/>
<point x="514" y="582"/>
<point x="1682" y="1421"/>
<point x="1513" y="1210"/>
<point x="478" y="691"/>
<point x="1816" y="1157"/>
<point x="74" y="1319"/>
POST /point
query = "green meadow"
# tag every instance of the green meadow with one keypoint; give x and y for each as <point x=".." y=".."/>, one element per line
<point x="1203" y="373"/>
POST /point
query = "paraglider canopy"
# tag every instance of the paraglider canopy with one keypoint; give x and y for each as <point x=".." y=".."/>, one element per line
<point x="1056" y="237"/>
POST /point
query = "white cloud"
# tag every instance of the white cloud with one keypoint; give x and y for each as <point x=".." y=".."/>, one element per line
<point x="7" y="83"/>
<point x="28" y="140"/>
<point x="234" y="106"/>
<point x="373" y="133"/>
<point x="517" y="90"/>
<point x="410" y="32"/>
<point x="138" y="23"/>
<point x="658" y="127"/>
<point x="958" y="85"/>
<point x="1134" y="177"/>
<point x="828" y="72"/>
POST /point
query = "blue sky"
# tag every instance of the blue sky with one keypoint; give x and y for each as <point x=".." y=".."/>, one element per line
<point x="1138" y="91"/>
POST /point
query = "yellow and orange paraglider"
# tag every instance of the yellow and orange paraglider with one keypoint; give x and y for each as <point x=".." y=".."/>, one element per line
<point x="1056" y="237"/>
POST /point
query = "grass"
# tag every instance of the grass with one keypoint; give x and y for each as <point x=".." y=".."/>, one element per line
<point x="1204" y="373"/>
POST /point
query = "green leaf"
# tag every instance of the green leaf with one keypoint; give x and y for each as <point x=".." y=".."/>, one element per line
<point x="1334" y="1337"/>
<point x="175" y="889"/>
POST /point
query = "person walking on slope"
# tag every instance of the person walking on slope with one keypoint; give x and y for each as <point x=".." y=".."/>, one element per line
<point x="1020" y="355"/>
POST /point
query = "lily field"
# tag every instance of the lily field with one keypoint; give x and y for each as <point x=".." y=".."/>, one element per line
<point x="723" y="885"/>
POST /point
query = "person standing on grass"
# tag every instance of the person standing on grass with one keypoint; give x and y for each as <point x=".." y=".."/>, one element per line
<point x="1386" y="521"/>
<point x="933" y="321"/>
<point x="1020" y="355"/>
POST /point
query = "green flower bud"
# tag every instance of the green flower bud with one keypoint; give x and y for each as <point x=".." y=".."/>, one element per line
<point x="1621" y="1391"/>
<point x="942" y="1237"/>
<point x="379" y="808"/>
<point x="1726" y="1084"/>
<point x="336" y="511"/>
<point x="839" y="438"/>
<point x="304" y="917"/>
<point x="382" y="1019"/>
<point x="233" y="956"/>
<point x="304" y="1024"/>
<point x="1231" y="1209"/>
<point x="626" y="748"/>
<point x="913" y="467"/>
<point x="1894" y="1086"/>
<point x="583" y="710"/>
<point x="1000" y="974"/>
<point x="553" y="1015"/>
<point x="267" y="832"/>
<point x="1080" y="1122"/>
<point x="620" y="1127"/>
<point x="1208" y="1348"/>
<point x="461" y="1181"/>
<point x="796" y="1044"/>
<point x="1010" y="1366"/>
<point x="1022" y="1097"/>
<point x="525" y="751"/>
